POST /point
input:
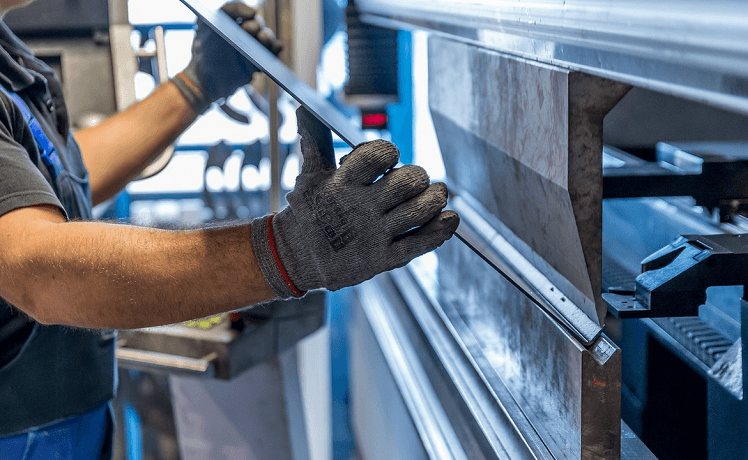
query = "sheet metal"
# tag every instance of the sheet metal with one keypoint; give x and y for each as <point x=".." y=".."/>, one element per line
<point x="405" y="362"/>
<point x="326" y="113"/>
<point x="521" y="143"/>
<point x="274" y="68"/>
<point x="478" y="235"/>
<point x="632" y="447"/>
<point x="471" y="365"/>
<point x="455" y="375"/>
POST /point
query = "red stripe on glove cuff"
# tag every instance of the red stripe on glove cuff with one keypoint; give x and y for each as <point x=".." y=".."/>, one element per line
<point x="273" y="249"/>
<point x="193" y="86"/>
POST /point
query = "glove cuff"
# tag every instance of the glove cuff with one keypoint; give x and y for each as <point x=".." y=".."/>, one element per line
<point x="191" y="91"/>
<point x="266" y="253"/>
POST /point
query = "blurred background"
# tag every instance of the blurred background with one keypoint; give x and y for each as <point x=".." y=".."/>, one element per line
<point x="577" y="137"/>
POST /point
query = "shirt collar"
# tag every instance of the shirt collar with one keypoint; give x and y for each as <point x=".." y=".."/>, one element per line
<point x="13" y="52"/>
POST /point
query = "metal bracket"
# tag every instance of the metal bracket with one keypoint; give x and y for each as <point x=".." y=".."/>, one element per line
<point x="674" y="279"/>
<point x="714" y="174"/>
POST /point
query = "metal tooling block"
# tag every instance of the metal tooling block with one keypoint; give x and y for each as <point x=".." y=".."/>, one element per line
<point x="525" y="139"/>
<point x="571" y="394"/>
<point x="280" y="325"/>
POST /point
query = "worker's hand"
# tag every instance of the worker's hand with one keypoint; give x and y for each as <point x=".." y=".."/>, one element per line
<point x="344" y="226"/>
<point x="216" y="69"/>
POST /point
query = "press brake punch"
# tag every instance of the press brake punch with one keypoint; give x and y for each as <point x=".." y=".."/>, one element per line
<point x="581" y="327"/>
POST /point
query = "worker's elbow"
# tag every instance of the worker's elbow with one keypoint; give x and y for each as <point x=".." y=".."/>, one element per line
<point x="33" y="299"/>
<point x="30" y="304"/>
<point x="44" y="319"/>
<point x="49" y="306"/>
<point x="50" y="312"/>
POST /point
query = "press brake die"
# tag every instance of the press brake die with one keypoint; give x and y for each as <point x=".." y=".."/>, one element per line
<point x="674" y="279"/>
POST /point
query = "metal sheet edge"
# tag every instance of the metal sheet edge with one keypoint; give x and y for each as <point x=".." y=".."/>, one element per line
<point x="498" y="253"/>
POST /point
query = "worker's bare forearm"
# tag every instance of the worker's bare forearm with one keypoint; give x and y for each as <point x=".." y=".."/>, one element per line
<point x="115" y="276"/>
<point x="116" y="150"/>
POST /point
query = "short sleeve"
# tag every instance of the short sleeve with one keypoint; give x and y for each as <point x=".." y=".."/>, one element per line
<point x="21" y="182"/>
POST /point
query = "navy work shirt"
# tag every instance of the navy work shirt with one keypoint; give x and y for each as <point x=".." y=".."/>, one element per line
<point x="47" y="373"/>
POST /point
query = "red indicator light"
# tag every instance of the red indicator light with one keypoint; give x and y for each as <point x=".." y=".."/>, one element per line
<point x="374" y="120"/>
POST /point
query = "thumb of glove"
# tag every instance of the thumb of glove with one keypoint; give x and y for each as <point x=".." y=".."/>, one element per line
<point x="316" y="143"/>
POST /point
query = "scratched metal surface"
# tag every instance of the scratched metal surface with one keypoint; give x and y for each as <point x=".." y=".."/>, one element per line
<point x="570" y="393"/>
<point x="525" y="140"/>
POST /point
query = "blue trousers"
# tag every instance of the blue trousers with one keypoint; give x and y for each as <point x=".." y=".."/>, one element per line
<point x="86" y="437"/>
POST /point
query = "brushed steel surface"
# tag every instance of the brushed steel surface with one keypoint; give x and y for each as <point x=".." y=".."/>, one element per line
<point x="495" y="250"/>
<point x="570" y="393"/>
<point x="499" y="422"/>
<point x="458" y="371"/>
<point x="525" y="139"/>
<point x="632" y="448"/>
<point x="686" y="48"/>
<point x="405" y="363"/>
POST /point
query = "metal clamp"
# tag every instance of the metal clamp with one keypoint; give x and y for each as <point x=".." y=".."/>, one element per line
<point x="714" y="176"/>
<point x="674" y="279"/>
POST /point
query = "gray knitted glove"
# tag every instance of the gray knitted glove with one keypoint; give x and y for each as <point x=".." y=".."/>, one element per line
<point x="216" y="69"/>
<point x="344" y="226"/>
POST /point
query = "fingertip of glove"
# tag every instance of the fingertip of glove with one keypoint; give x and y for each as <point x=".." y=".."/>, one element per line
<point x="419" y="178"/>
<point x="377" y="144"/>
<point x="316" y="142"/>
<point x="451" y="216"/>
<point x="443" y="227"/>
<point x="266" y="37"/>
<point x="303" y="117"/>
<point x="277" y="47"/>
<point x="441" y="188"/>
<point x="252" y="27"/>
<point x="446" y="221"/>
<point x="385" y="151"/>
<point x="239" y="10"/>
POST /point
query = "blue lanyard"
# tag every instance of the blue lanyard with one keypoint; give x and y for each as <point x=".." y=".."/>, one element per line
<point x="48" y="151"/>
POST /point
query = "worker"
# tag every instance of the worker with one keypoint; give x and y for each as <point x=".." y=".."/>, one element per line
<point x="67" y="282"/>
